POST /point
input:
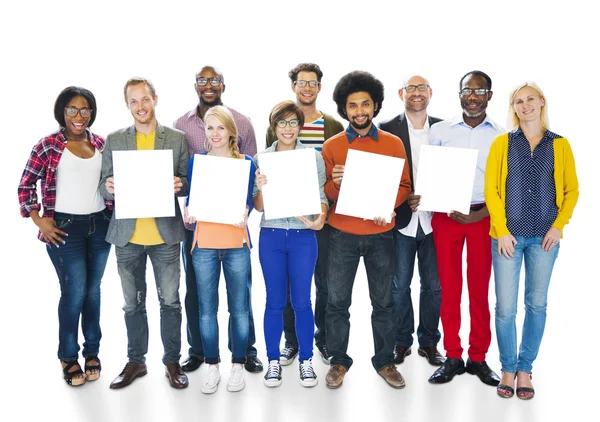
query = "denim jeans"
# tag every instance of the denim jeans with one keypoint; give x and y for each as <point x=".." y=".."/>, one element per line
<point x="345" y="250"/>
<point x="288" y="255"/>
<point x="192" y="310"/>
<point x="79" y="264"/>
<point x="507" y="271"/>
<point x="430" y="298"/>
<point x="131" y="263"/>
<point x="289" y="327"/>
<point x="236" y="266"/>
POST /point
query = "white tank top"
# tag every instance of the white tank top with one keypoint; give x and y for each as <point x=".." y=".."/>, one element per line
<point x="77" y="181"/>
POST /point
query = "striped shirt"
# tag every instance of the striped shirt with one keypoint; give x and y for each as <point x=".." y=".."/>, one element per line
<point x="530" y="187"/>
<point x="313" y="134"/>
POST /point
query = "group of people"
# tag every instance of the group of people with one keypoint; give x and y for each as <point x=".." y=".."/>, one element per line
<point x="524" y="193"/>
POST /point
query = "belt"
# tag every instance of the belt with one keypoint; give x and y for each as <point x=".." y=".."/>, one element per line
<point x="477" y="207"/>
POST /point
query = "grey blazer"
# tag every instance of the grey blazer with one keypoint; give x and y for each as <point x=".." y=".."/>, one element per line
<point x="171" y="229"/>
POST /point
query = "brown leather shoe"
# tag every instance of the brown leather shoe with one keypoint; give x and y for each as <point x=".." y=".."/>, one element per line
<point x="391" y="375"/>
<point x="177" y="378"/>
<point x="335" y="376"/>
<point x="131" y="371"/>
<point x="400" y="352"/>
<point x="432" y="355"/>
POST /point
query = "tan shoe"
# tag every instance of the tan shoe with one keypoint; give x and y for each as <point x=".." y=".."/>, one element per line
<point x="335" y="376"/>
<point x="391" y="375"/>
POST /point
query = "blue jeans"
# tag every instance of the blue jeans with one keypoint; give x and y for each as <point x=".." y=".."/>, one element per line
<point x="236" y="266"/>
<point x="289" y="327"/>
<point x="538" y="270"/>
<point x="79" y="264"/>
<point x="345" y="250"/>
<point x="288" y="255"/>
<point x="131" y="263"/>
<point x="192" y="310"/>
<point x="430" y="298"/>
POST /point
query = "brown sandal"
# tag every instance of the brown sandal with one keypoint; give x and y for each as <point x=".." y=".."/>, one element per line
<point x="92" y="371"/>
<point x="74" y="378"/>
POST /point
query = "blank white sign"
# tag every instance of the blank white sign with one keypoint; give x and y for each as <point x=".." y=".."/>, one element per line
<point x="445" y="178"/>
<point x="292" y="188"/>
<point x="219" y="189"/>
<point x="143" y="183"/>
<point x="370" y="185"/>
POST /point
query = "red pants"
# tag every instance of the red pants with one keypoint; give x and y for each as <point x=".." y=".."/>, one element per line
<point x="449" y="237"/>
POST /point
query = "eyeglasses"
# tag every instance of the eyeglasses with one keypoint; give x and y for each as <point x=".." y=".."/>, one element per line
<point x="466" y="92"/>
<point x="84" y="112"/>
<point x="302" y="84"/>
<point x="213" y="81"/>
<point x="412" y="88"/>
<point x="284" y="123"/>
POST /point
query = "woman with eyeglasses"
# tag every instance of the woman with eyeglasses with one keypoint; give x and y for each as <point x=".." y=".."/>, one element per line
<point x="531" y="190"/>
<point x="222" y="245"/>
<point x="288" y="251"/>
<point x="73" y="224"/>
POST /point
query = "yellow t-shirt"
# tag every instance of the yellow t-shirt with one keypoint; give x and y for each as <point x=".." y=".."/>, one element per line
<point x="145" y="232"/>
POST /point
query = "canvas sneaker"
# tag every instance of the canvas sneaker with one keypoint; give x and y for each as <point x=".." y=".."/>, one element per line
<point x="308" y="378"/>
<point x="287" y="355"/>
<point x="211" y="382"/>
<point x="273" y="375"/>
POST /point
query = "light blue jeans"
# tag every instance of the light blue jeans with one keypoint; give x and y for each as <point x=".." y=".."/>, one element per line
<point x="507" y="271"/>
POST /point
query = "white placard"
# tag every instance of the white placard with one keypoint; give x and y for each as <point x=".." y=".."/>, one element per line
<point x="219" y="189"/>
<point x="370" y="185"/>
<point x="445" y="178"/>
<point x="143" y="183"/>
<point x="292" y="188"/>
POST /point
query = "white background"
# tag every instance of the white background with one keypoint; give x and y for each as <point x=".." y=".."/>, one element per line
<point x="49" y="45"/>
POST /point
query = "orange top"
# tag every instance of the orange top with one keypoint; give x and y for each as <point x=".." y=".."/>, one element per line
<point x="335" y="150"/>
<point x="220" y="236"/>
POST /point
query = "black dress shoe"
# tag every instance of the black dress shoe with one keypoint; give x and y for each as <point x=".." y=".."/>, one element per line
<point x="400" y="352"/>
<point x="432" y="355"/>
<point x="483" y="371"/>
<point x="177" y="378"/>
<point x="191" y="364"/>
<point x="253" y="364"/>
<point x="447" y="371"/>
<point x="131" y="371"/>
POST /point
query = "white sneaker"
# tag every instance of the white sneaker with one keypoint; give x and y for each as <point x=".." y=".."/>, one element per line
<point x="236" y="378"/>
<point x="273" y="375"/>
<point x="308" y="378"/>
<point x="213" y="377"/>
<point x="287" y="355"/>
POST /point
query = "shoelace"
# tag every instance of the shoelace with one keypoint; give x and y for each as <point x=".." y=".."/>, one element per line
<point x="306" y="369"/>
<point x="273" y="370"/>
<point x="288" y="351"/>
<point x="213" y="376"/>
<point x="237" y="373"/>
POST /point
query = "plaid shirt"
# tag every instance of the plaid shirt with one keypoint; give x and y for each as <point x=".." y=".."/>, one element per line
<point x="42" y="165"/>
<point x="193" y="127"/>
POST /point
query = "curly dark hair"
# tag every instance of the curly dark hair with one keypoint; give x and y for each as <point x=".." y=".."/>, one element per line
<point x="66" y="95"/>
<point x="305" y="67"/>
<point x="477" y="73"/>
<point x="357" y="81"/>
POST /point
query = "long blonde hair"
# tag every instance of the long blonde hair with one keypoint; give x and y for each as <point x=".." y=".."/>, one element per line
<point x="225" y="116"/>
<point x="513" y="120"/>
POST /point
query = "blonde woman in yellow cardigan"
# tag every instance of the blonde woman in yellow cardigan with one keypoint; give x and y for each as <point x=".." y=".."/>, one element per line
<point x="531" y="190"/>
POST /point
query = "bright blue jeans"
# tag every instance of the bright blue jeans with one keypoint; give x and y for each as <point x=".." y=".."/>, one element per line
<point x="507" y="271"/>
<point x="80" y="264"/>
<point x="236" y="268"/>
<point x="288" y="255"/>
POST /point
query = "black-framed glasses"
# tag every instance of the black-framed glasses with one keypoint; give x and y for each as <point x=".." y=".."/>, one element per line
<point x="84" y="112"/>
<point x="302" y="84"/>
<point x="284" y="123"/>
<point x="213" y="81"/>
<point x="413" y="88"/>
<point x="466" y="92"/>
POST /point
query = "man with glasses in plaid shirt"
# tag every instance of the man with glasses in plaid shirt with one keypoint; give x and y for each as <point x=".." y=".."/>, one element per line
<point x="210" y="85"/>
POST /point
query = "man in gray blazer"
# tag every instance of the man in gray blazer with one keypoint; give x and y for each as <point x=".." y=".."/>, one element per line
<point x="413" y="236"/>
<point x="135" y="239"/>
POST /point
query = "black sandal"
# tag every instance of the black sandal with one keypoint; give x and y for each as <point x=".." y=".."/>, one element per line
<point x="73" y="378"/>
<point x="92" y="372"/>
<point x="525" y="393"/>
